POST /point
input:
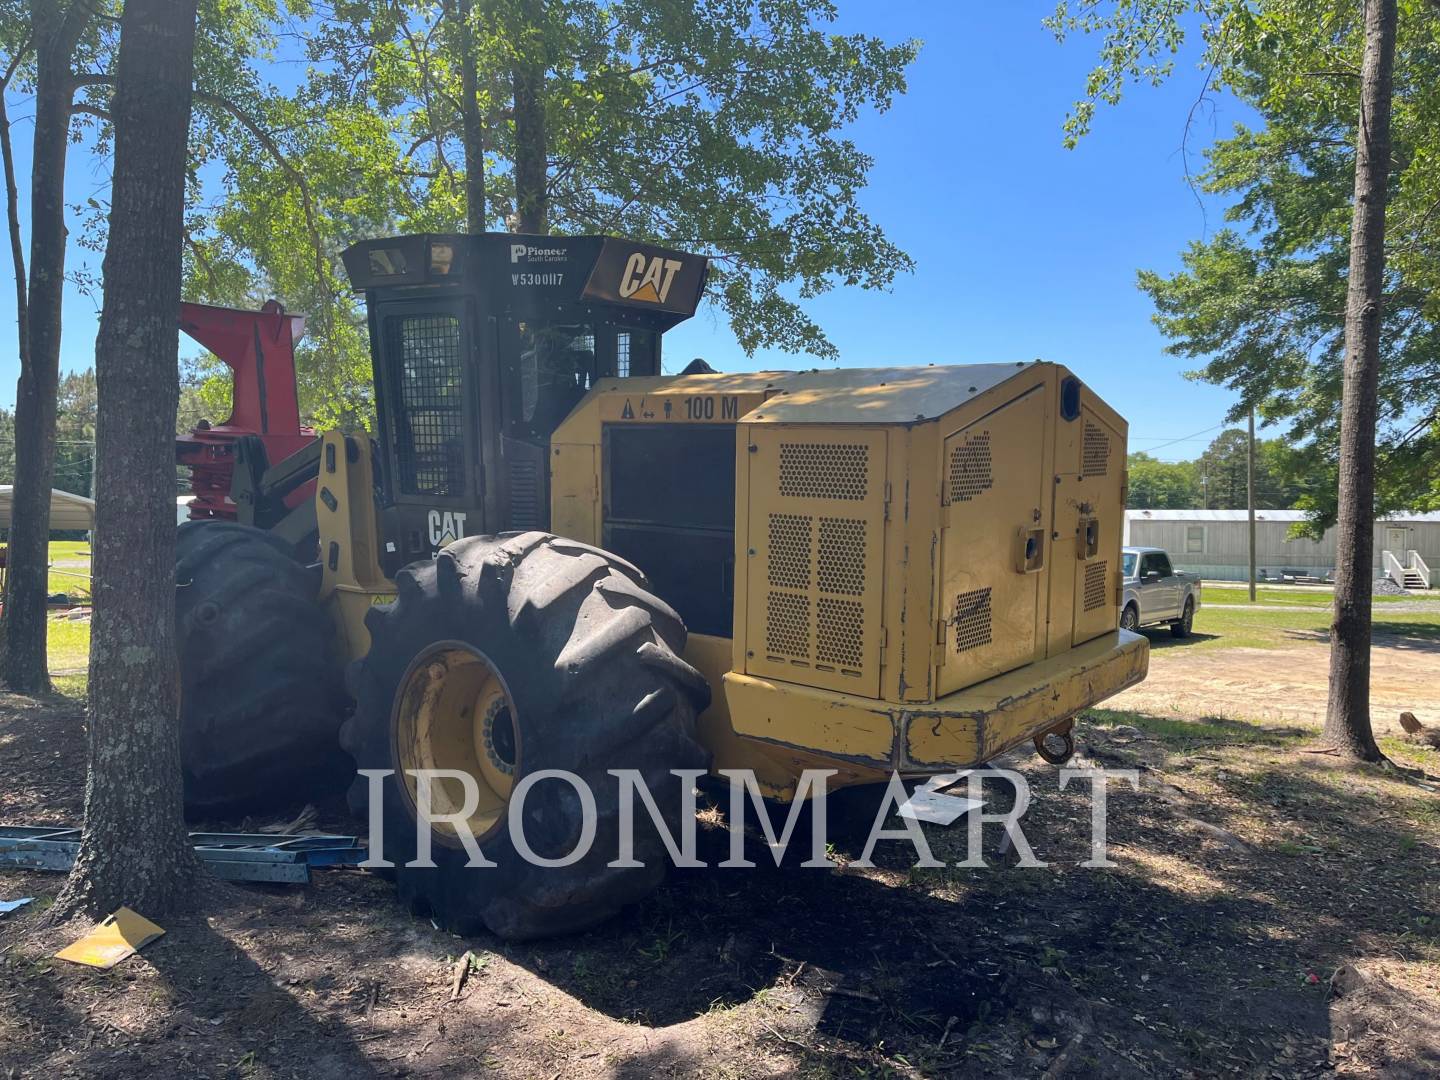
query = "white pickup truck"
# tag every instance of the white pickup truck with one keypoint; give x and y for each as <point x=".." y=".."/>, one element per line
<point x="1155" y="592"/>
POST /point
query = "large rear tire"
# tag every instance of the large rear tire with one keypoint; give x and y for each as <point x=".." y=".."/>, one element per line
<point x="261" y="698"/>
<point x="1183" y="626"/>
<point x="503" y="657"/>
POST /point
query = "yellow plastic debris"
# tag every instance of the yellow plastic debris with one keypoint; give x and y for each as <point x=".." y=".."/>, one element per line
<point x="114" y="938"/>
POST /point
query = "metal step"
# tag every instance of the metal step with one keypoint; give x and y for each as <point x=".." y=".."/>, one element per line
<point x="231" y="856"/>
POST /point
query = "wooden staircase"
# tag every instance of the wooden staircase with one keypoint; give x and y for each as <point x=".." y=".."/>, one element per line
<point x="1412" y="574"/>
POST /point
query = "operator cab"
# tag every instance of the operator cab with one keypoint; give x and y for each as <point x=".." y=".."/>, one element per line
<point x="481" y="345"/>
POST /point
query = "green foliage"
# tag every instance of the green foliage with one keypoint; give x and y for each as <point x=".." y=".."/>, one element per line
<point x="1281" y="476"/>
<point x="1216" y="480"/>
<point x="705" y="124"/>
<point x="1260" y="306"/>
<point x="7" y="446"/>
<point x="74" y="435"/>
<point x="1161" y="485"/>
<point x="75" y="432"/>
<point x="1139" y="41"/>
<point x="710" y="125"/>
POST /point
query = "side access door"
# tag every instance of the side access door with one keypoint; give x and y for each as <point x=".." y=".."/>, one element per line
<point x="428" y="401"/>
<point x="994" y="544"/>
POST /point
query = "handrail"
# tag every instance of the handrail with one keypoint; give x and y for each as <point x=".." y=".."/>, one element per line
<point x="1419" y="564"/>
<point x="1393" y="570"/>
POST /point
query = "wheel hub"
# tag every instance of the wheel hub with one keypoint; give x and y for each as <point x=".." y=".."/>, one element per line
<point x="453" y="713"/>
<point x="498" y="733"/>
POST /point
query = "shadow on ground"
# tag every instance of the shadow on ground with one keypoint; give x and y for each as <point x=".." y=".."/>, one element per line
<point x="1245" y="875"/>
<point x="1161" y="638"/>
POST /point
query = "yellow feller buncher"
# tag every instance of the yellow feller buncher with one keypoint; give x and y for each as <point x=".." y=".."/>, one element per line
<point x="553" y="557"/>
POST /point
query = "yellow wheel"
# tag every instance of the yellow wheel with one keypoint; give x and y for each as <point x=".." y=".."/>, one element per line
<point x="454" y="713"/>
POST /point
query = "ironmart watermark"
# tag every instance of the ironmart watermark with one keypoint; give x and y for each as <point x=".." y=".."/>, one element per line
<point x="930" y="802"/>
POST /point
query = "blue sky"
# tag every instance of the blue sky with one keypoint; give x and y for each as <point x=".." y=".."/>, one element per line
<point x="1023" y="249"/>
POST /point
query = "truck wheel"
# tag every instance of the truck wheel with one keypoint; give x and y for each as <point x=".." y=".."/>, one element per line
<point x="260" y="697"/>
<point x="503" y="658"/>
<point x="1180" y="628"/>
<point x="1129" y="618"/>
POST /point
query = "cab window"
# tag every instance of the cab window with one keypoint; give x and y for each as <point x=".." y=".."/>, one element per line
<point x="556" y="366"/>
<point x="635" y="352"/>
<point x="1154" y="563"/>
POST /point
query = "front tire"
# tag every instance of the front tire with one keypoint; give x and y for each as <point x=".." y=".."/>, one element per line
<point x="503" y="657"/>
<point x="1130" y="618"/>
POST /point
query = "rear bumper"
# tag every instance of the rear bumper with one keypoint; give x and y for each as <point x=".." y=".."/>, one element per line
<point x="868" y="739"/>
<point x="982" y="721"/>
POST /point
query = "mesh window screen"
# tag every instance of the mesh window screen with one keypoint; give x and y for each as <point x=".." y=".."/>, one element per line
<point x="622" y="353"/>
<point x="427" y="371"/>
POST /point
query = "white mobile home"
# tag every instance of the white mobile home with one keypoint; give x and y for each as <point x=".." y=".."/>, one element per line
<point x="1215" y="544"/>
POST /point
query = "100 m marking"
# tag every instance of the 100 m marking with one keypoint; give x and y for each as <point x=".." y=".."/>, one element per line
<point x="703" y="408"/>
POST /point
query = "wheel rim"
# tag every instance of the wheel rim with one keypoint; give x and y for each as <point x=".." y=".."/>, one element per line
<point x="454" y="712"/>
<point x="1189" y="614"/>
<point x="1127" y="619"/>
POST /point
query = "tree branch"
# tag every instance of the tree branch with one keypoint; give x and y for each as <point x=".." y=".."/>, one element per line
<point x="203" y="261"/>
<point x="15" y="62"/>
<point x="271" y="147"/>
<point x="12" y="213"/>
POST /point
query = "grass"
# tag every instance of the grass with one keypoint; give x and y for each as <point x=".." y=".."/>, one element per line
<point x="69" y="569"/>
<point x="68" y="646"/>
<point x="68" y="643"/>
<point x="1259" y="628"/>
<point x="1294" y="597"/>
<point x="1210" y="731"/>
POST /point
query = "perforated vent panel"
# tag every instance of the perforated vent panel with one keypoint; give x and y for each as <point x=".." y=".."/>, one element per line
<point x="526" y="492"/>
<point x="1095" y="453"/>
<point x="787" y="625"/>
<point x="1095" y="575"/>
<point x="815" y="566"/>
<point x="790" y="550"/>
<point x="841" y="565"/>
<point x="824" y="470"/>
<point x="972" y="619"/>
<point x="840" y="568"/>
<point x="970" y="470"/>
<point x="839" y="632"/>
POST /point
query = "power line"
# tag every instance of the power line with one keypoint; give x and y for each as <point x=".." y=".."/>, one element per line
<point x="1186" y="438"/>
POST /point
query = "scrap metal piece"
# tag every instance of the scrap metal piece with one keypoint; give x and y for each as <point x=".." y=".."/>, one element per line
<point x="114" y="938"/>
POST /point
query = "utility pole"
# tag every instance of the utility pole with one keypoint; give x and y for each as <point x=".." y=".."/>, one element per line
<point x="1250" y="497"/>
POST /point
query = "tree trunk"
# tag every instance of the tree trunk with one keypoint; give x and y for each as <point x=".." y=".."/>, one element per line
<point x="135" y="850"/>
<point x="17" y="244"/>
<point x="1347" y="717"/>
<point x="57" y="29"/>
<point x="531" y="153"/>
<point x="473" y="132"/>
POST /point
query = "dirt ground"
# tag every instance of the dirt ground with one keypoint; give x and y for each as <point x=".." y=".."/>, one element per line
<point x="1270" y="913"/>
<point x="1282" y="685"/>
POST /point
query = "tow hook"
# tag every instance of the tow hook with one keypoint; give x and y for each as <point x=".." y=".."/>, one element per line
<point x="1063" y="732"/>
